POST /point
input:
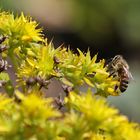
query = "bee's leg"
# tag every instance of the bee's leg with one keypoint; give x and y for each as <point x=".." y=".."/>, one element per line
<point x="112" y="74"/>
<point x="116" y="87"/>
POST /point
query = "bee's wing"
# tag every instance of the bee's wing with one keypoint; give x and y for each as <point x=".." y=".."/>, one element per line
<point x="129" y="74"/>
<point x="131" y="77"/>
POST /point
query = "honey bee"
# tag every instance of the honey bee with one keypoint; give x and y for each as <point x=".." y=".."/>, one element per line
<point x="119" y="69"/>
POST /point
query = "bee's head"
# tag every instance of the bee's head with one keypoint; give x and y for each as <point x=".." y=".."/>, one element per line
<point x="121" y="61"/>
<point x="118" y="57"/>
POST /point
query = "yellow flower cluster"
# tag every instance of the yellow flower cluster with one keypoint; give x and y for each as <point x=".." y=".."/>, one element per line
<point x="88" y="118"/>
<point x="31" y="116"/>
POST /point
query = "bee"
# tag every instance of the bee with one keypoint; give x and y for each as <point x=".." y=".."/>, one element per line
<point x="119" y="69"/>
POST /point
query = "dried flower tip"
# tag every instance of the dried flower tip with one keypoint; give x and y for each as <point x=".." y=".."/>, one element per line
<point x="31" y="81"/>
<point x="3" y="65"/>
<point x="56" y="60"/>
<point x="3" y="48"/>
<point x="91" y="75"/>
<point x="67" y="89"/>
<point x="59" y="102"/>
<point x="2" y="38"/>
<point x="42" y="82"/>
<point x="17" y="99"/>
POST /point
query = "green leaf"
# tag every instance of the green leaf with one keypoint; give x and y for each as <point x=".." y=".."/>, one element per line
<point x="4" y="76"/>
<point x="9" y="88"/>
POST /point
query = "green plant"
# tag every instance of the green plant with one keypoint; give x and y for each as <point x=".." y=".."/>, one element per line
<point x="24" y="111"/>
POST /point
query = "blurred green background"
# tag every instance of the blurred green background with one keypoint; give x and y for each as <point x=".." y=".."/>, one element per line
<point x="104" y="26"/>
